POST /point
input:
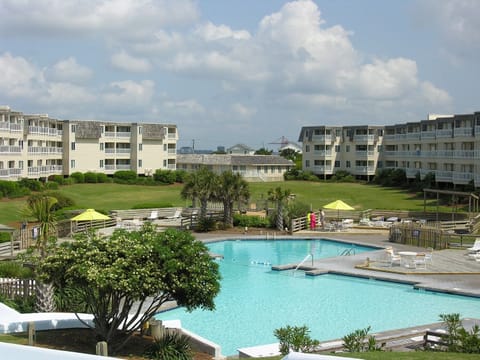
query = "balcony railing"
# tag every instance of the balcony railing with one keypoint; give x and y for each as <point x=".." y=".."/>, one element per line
<point x="364" y="138"/>
<point x="123" y="150"/>
<point x="463" y="177"/>
<point x="369" y="170"/>
<point x="413" y="136"/>
<point x="324" y="139"/>
<point x="463" y="131"/>
<point x="428" y="134"/>
<point x="45" y="170"/>
<point x="444" y="176"/>
<point x="5" y="173"/>
<point x="10" y="149"/>
<point x="16" y="127"/>
<point x="322" y="169"/>
<point x="323" y="152"/>
<point x="446" y="133"/>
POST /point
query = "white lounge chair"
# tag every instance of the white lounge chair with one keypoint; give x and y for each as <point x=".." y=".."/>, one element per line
<point x="392" y="258"/>
<point x="420" y="262"/>
<point x="429" y="255"/>
<point x="153" y="215"/>
<point x="176" y="215"/>
<point x="476" y="246"/>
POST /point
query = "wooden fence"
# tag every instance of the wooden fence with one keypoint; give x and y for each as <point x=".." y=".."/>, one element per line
<point x="418" y="235"/>
<point x="13" y="288"/>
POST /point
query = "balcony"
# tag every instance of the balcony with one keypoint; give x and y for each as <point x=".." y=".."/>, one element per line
<point x="16" y="127"/>
<point x="10" y="149"/>
<point x="37" y="150"/>
<point x="322" y="169"/>
<point x="12" y="172"/>
<point x="364" y="138"/>
<point x="123" y="134"/>
<point x="462" y="131"/>
<point x="464" y="154"/>
<point x="322" y="152"/>
<point x="389" y="137"/>
<point x="172" y="151"/>
<point x="444" y="176"/>
<point x="447" y="133"/>
<point x="45" y="170"/>
<point x="412" y="172"/>
<point x="123" y="151"/>
<point x="323" y="139"/>
<point x="463" y="177"/>
<point x="428" y="134"/>
<point x="413" y="136"/>
<point x="38" y="130"/>
<point x="365" y="170"/>
<point x="4" y="126"/>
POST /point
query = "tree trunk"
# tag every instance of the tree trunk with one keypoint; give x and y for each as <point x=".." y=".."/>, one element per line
<point x="44" y="301"/>
<point x="280" y="216"/>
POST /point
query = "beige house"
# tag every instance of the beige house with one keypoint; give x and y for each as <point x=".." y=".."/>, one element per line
<point x="251" y="167"/>
<point x="37" y="146"/>
<point x="446" y="145"/>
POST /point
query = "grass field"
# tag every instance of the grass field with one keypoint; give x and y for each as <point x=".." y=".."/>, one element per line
<point x="116" y="196"/>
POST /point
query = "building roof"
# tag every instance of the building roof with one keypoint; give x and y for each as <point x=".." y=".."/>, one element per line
<point x="221" y="159"/>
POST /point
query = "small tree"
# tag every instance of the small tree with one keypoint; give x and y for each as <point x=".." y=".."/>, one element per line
<point x="232" y="187"/>
<point x="279" y="196"/>
<point x="200" y="185"/>
<point x="123" y="280"/>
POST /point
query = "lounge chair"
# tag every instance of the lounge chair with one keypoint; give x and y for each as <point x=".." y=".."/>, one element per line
<point x="153" y="215"/>
<point x="476" y="246"/>
<point x="474" y="256"/>
<point x="177" y="215"/>
<point x="429" y="255"/>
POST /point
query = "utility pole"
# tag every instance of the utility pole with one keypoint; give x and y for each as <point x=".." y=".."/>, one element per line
<point x="193" y="145"/>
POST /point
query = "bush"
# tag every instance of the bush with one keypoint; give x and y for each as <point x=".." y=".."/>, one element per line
<point x="51" y="185"/>
<point x="59" y="179"/>
<point x="295" y="338"/>
<point x="180" y="176"/>
<point x="165" y="176"/>
<point x="33" y="185"/>
<point x="63" y="200"/>
<point x="14" y="269"/>
<point x="171" y="346"/>
<point x="90" y="177"/>
<point x="343" y="176"/>
<point x="297" y="174"/>
<point x="206" y="225"/>
<point x="78" y="176"/>
<point x="125" y="175"/>
<point x="10" y="188"/>
<point x="102" y="178"/>
<point x="250" y="221"/>
<point x="19" y="303"/>
<point x="457" y="338"/>
<point x="69" y="181"/>
<point x="4" y="237"/>
<point x="358" y="341"/>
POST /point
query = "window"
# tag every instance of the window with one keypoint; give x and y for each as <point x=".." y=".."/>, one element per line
<point x="337" y="163"/>
<point x="164" y="163"/>
<point x="20" y="164"/>
<point x="140" y="163"/>
<point x="307" y="148"/>
<point x="307" y="163"/>
<point x="337" y="148"/>
<point x="101" y="146"/>
<point x="140" y="130"/>
<point x="347" y="148"/>
<point x="72" y="145"/>
<point x="140" y="147"/>
<point x="101" y="164"/>
<point x="164" y="147"/>
<point x="380" y="164"/>
<point x="317" y="147"/>
<point x="348" y="164"/>
<point x="74" y="128"/>
<point x="72" y="164"/>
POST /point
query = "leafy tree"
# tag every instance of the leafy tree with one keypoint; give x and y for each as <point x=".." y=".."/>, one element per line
<point x="200" y="185"/>
<point x="263" y="151"/>
<point x="165" y="176"/>
<point x="232" y="188"/>
<point x="289" y="154"/>
<point x="124" y="279"/>
<point x="280" y="197"/>
<point x="41" y="209"/>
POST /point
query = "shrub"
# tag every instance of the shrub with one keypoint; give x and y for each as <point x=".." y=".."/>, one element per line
<point x="295" y="338"/>
<point x="102" y="178"/>
<point x="125" y="175"/>
<point x="90" y="177"/>
<point x="33" y="185"/>
<point x="180" y="176"/>
<point x="343" y="176"/>
<point x="171" y="346"/>
<point x="206" y="225"/>
<point x="8" y="187"/>
<point x="69" y="181"/>
<point x="359" y="341"/>
<point x="4" y="237"/>
<point x="14" y="269"/>
<point x="19" y="303"/>
<point x="51" y="185"/>
<point x="165" y="176"/>
<point x="59" y="179"/>
<point x="63" y="200"/>
<point x="79" y="177"/>
<point x="250" y="221"/>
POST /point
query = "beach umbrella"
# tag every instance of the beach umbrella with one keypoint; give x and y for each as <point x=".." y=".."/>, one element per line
<point x="90" y="215"/>
<point x="338" y="205"/>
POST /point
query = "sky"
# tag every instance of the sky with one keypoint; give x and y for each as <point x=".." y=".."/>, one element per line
<point x="249" y="71"/>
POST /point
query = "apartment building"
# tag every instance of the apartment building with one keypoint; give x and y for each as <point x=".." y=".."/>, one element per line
<point x="328" y="149"/>
<point x="37" y="146"/>
<point x="445" y="145"/>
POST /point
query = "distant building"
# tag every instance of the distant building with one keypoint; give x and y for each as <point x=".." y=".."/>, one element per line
<point x="251" y="167"/>
<point x="447" y="146"/>
<point x="38" y="146"/>
<point x="290" y="145"/>
<point x="240" y="149"/>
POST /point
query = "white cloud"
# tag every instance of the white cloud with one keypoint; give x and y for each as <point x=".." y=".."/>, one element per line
<point x="19" y="77"/>
<point x="243" y="111"/>
<point x="118" y="18"/>
<point x="122" y="60"/>
<point x="184" y="108"/>
<point x="60" y="94"/>
<point x="129" y="94"/>
<point x="68" y="70"/>
<point x="211" y="32"/>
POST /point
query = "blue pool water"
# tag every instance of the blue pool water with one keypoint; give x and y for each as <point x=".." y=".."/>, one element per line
<point x="254" y="301"/>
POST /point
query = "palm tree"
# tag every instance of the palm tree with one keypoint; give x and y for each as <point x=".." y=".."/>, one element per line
<point x="40" y="208"/>
<point x="200" y="185"/>
<point x="232" y="187"/>
<point x="279" y="196"/>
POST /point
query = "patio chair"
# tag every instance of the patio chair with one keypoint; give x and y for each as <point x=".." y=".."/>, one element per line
<point x="475" y="248"/>
<point x="392" y="258"/>
<point x="420" y="261"/>
<point x="176" y="215"/>
<point x="429" y="255"/>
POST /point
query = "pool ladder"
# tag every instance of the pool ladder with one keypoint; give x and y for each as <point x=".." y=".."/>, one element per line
<point x="348" y="252"/>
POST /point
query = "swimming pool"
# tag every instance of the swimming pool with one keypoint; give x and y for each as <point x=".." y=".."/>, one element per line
<point x="254" y="301"/>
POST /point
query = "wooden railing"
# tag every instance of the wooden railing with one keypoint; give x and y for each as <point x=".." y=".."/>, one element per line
<point x="8" y="248"/>
<point x="418" y="235"/>
<point x="12" y="288"/>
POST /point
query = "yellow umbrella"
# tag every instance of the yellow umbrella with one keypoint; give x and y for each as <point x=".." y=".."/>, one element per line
<point x="338" y="205"/>
<point x="89" y="215"/>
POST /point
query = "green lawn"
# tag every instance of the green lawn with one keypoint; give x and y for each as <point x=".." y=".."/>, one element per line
<point x="116" y="196"/>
